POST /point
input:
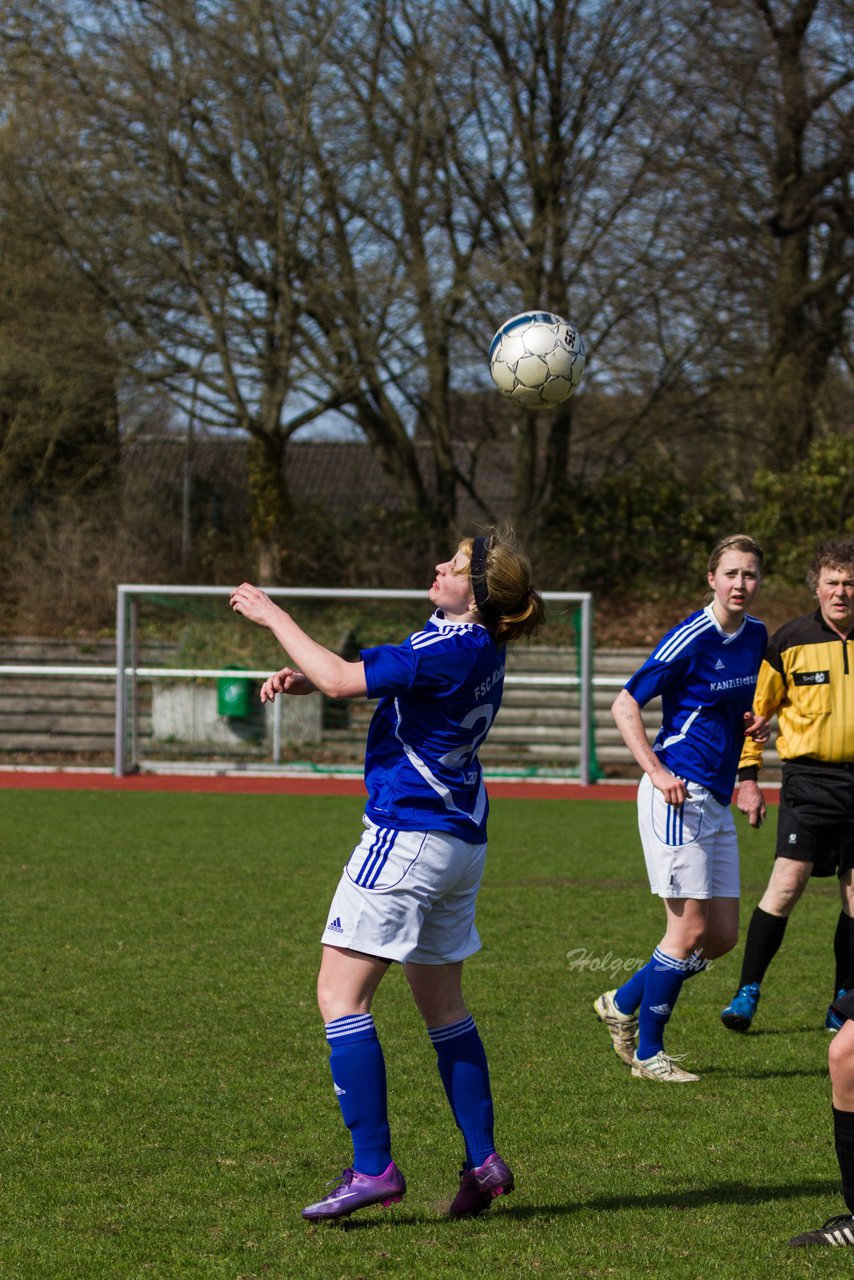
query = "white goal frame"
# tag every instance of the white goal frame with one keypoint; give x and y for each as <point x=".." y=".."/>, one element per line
<point x="128" y="670"/>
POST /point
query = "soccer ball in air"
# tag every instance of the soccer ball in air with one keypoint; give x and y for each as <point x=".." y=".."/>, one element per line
<point x="537" y="359"/>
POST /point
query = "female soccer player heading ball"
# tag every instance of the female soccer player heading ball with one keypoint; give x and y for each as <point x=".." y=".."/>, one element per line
<point x="408" y="891"/>
<point x="704" y="671"/>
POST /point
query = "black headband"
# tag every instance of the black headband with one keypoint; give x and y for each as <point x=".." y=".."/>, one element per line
<point x="477" y="573"/>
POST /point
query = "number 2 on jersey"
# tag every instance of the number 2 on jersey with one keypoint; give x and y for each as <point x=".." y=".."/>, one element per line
<point x="479" y="719"/>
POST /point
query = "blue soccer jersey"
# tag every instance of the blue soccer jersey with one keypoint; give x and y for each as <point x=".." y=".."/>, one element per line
<point x="439" y="693"/>
<point x="705" y="679"/>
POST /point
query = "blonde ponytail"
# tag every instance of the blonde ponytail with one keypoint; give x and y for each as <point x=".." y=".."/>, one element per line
<point x="507" y="603"/>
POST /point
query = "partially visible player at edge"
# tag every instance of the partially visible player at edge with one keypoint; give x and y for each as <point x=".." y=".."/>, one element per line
<point x="807" y="680"/>
<point x="704" y="670"/>
<point x="408" y="891"/>
<point x="839" y="1230"/>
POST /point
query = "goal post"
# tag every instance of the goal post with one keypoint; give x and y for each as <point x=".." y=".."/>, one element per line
<point x="131" y="670"/>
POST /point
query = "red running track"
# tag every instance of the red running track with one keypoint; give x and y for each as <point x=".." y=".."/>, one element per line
<point x="292" y="785"/>
<point x="283" y="784"/>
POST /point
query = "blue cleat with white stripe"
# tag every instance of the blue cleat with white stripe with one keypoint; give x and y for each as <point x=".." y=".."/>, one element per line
<point x="740" y="1011"/>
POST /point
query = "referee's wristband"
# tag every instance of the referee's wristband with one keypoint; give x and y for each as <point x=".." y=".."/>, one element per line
<point x="750" y="773"/>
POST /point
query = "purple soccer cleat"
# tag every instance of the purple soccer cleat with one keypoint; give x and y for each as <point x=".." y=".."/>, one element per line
<point x="354" y="1191"/>
<point x="479" y="1187"/>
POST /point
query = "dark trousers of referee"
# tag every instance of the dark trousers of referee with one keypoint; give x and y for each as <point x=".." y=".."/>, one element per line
<point x="815" y="836"/>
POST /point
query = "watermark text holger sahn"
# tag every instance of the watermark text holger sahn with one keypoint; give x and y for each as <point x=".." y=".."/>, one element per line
<point x="581" y="958"/>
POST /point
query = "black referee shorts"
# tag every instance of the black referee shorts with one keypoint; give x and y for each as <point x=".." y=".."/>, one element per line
<point x="816" y="822"/>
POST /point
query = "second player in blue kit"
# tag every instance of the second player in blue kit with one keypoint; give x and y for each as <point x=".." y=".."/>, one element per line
<point x="704" y="670"/>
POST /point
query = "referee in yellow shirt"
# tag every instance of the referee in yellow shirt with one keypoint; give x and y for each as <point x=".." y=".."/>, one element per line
<point x="807" y="679"/>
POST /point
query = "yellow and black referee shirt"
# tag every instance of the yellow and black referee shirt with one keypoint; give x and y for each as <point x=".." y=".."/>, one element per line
<point x="807" y="678"/>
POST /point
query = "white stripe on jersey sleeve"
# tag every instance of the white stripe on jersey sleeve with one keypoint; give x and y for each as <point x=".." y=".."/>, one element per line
<point x="421" y="639"/>
<point x="681" y="638"/>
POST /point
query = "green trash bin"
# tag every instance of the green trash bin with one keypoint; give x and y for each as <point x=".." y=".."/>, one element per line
<point x="233" y="695"/>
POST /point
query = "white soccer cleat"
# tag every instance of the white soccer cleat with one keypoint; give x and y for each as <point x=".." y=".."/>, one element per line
<point x="661" y="1067"/>
<point x="622" y="1027"/>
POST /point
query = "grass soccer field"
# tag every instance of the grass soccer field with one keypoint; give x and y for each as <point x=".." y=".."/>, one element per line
<point x="166" y="1103"/>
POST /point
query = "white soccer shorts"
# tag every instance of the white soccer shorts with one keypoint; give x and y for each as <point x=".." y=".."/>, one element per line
<point x="691" y="850"/>
<point x="408" y="895"/>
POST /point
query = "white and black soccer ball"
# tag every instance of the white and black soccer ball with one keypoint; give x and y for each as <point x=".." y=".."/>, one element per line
<point x="537" y="359"/>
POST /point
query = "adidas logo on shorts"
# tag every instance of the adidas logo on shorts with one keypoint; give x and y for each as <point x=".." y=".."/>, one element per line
<point x="334" y="926"/>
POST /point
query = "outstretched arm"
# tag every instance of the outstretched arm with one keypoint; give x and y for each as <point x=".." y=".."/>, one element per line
<point x="627" y="714"/>
<point x="326" y="671"/>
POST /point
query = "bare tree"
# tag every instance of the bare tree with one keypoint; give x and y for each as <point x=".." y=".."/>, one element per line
<point x="399" y="239"/>
<point x="184" y="201"/>
<point x="566" y="178"/>
<point x="812" y="209"/>
<point x="771" y="111"/>
<point x="321" y="211"/>
<point x="58" y="375"/>
<point x="499" y="156"/>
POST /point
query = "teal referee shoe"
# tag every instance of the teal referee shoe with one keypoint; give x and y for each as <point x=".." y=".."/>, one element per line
<point x="740" y="1011"/>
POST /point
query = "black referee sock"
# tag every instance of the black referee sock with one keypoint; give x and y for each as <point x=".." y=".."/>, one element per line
<point x="843" y="1134"/>
<point x="843" y="953"/>
<point x="764" y="935"/>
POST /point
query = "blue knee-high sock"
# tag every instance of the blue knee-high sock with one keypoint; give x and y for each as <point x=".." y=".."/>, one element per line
<point x="465" y="1075"/>
<point x="629" y="995"/>
<point x="664" y="977"/>
<point x="358" y="1073"/>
